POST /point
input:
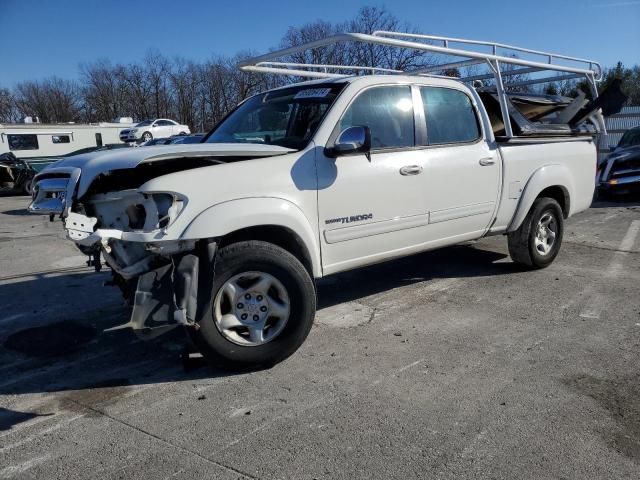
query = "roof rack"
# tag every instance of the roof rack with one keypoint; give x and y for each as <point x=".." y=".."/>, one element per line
<point x="469" y="52"/>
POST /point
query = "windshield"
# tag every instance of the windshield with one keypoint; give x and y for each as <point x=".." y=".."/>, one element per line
<point x="287" y="117"/>
<point x="187" y="139"/>
<point x="631" y="138"/>
<point x="146" y="123"/>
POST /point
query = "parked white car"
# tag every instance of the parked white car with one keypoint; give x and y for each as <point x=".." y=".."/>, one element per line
<point x="150" y="129"/>
<point x="228" y="236"/>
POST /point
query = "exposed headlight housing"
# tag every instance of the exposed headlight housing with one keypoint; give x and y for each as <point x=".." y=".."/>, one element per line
<point x="169" y="206"/>
<point x="156" y="211"/>
<point x="130" y="210"/>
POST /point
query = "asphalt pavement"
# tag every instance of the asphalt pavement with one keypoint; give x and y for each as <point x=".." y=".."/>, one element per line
<point x="449" y="364"/>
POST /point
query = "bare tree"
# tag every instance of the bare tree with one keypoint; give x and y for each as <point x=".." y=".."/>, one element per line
<point x="368" y="20"/>
<point x="310" y="32"/>
<point x="51" y="100"/>
<point x="103" y="91"/>
<point x="371" y="19"/>
<point x="137" y="91"/>
<point x="8" y="111"/>
<point x="158" y="70"/>
<point x="185" y="81"/>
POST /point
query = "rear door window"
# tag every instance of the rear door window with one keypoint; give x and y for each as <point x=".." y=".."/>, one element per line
<point x="388" y="112"/>
<point x="450" y="116"/>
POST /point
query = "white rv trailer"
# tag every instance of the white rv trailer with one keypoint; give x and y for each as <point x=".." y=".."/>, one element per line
<point x="35" y="140"/>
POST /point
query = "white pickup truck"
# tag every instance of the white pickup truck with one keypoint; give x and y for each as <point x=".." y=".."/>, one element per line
<point x="304" y="181"/>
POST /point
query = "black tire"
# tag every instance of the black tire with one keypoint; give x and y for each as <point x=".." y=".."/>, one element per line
<point x="146" y="136"/>
<point x="182" y="134"/>
<point x="522" y="241"/>
<point x="28" y="186"/>
<point x="250" y="256"/>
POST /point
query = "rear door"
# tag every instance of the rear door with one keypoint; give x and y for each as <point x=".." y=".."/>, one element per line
<point x="462" y="173"/>
<point x="370" y="205"/>
<point x="163" y="128"/>
<point x="175" y="128"/>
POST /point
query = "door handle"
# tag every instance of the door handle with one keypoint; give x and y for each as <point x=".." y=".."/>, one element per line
<point x="487" y="161"/>
<point x="411" y="170"/>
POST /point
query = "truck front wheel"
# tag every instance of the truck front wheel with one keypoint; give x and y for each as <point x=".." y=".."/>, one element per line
<point x="537" y="241"/>
<point x="261" y="309"/>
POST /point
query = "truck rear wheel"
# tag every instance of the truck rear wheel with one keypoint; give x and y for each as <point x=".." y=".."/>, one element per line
<point x="537" y="241"/>
<point x="261" y="309"/>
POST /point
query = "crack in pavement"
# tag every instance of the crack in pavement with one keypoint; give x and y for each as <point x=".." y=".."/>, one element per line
<point x="162" y="440"/>
<point x="597" y="247"/>
<point x="373" y="314"/>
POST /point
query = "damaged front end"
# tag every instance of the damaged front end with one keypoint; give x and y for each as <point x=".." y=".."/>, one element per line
<point x="109" y="209"/>
<point x="165" y="272"/>
<point x="170" y="292"/>
<point x="160" y="277"/>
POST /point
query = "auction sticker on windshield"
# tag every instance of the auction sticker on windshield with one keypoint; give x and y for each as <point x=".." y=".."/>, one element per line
<point x="313" y="93"/>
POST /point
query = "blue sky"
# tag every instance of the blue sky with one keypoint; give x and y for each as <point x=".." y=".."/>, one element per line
<point x="43" y="38"/>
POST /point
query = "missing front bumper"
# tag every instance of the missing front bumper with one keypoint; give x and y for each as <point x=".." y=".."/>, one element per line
<point x="174" y="294"/>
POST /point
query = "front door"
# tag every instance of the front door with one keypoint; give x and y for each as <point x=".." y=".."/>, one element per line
<point x="373" y="204"/>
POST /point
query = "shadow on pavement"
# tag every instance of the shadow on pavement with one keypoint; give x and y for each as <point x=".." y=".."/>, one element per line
<point x="454" y="262"/>
<point x="9" y="418"/>
<point x="69" y="351"/>
<point x="13" y="193"/>
<point x="627" y="200"/>
<point x="52" y="339"/>
<point x="18" y="212"/>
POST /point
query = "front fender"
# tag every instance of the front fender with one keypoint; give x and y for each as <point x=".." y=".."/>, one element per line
<point x="224" y="218"/>
<point x="548" y="176"/>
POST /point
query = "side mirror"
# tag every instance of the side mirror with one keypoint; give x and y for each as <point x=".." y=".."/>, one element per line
<point x="351" y="140"/>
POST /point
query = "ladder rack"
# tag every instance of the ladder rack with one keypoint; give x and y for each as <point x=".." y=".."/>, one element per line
<point x="467" y="52"/>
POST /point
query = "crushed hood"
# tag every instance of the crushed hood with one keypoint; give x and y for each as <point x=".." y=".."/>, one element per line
<point x="93" y="164"/>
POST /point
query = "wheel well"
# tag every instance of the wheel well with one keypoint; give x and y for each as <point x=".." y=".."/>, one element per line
<point x="560" y="195"/>
<point x="278" y="235"/>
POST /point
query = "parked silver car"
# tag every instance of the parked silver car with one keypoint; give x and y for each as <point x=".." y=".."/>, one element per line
<point x="150" y="129"/>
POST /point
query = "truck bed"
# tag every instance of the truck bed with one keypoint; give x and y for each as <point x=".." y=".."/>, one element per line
<point x="575" y="157"/>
